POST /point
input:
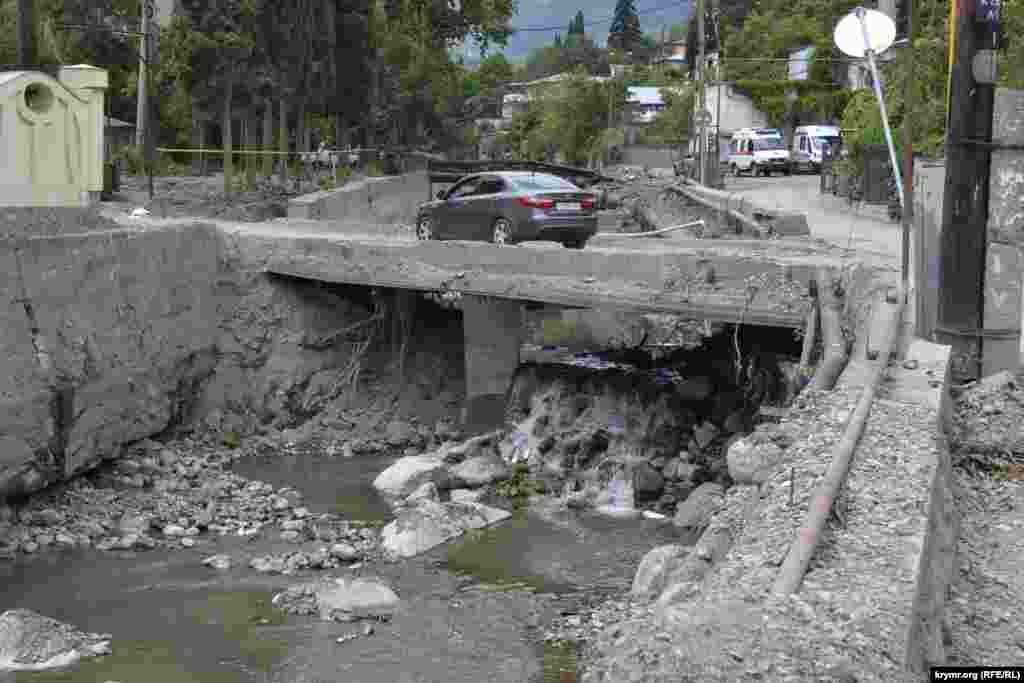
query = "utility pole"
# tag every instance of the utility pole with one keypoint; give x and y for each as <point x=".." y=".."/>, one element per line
<point x="701" y="104"/>
<point x="141" y="122"/>
<point x="718" y="101"/>
<point x="965" y="200"/>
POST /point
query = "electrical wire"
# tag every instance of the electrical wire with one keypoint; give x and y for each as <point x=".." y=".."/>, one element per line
<point x="599" y="22"/>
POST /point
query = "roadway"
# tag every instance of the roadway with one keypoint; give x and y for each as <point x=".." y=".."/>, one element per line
<point x="866" y="229"/>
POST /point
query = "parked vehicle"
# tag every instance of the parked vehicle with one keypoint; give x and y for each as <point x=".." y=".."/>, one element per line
<point x="758" y="151"/>
<point x="509" y="207"/>
<point x="808" y="145"/>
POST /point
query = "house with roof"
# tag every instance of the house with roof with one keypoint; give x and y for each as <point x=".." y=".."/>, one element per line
<point x="672" y="53"/>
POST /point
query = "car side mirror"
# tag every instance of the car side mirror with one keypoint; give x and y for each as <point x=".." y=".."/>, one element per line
<point x="440" y="194"/>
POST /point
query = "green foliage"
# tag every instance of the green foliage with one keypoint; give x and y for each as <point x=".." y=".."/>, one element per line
<point x="231" y="439"/>
<point x="624" y="33"/>
<point x="673" y="125"/>
<point x="577" y="52"/>
<point x="520" y="485"/>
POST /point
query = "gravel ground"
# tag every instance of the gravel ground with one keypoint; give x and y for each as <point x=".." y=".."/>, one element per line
<point x="987" y="614"/>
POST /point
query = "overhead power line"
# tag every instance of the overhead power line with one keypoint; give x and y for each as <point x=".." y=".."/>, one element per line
<point x="599" y="22"/>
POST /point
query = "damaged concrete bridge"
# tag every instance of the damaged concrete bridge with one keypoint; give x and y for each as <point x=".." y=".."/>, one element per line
<point x="733" y="282"/>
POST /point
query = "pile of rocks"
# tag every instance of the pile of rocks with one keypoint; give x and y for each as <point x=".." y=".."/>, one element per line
<point x="168" y="495"/>
<point x="32" y="642"/>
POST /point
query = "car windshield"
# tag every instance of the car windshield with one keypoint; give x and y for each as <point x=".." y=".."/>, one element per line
<point x="822" y="140"/>
<point x="541" y="183"/>
<point x="764" y="145"/>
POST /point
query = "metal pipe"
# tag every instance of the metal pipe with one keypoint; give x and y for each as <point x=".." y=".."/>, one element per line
<point x="794" y="567"/>
<point x="877" y="83"/>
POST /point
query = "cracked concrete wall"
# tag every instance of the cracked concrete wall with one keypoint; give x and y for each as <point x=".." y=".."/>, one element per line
<point x="392" y="199"/>
<point x="98" y="331"/>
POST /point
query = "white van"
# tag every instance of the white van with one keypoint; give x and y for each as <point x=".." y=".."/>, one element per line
<point x="808" y="142"/>
<point x="758" y="151"/>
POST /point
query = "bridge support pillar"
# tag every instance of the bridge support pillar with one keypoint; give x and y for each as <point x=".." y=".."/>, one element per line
<point x="493" y="333"/>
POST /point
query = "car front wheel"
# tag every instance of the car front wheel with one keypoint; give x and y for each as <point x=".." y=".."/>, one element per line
<point x="501" y="234"/>
<point x="575" y="244"/>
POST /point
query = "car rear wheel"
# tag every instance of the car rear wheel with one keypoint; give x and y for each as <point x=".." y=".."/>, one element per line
<point x="574" y="244"/>
<point x="425" y="229"/>
<point x="501" y="234"/>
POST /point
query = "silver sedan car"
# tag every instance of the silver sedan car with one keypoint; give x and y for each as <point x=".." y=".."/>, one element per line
<point x="509" y="207"/>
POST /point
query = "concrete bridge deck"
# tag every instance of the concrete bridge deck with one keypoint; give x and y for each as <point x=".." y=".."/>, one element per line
<point x="730" y="281"/>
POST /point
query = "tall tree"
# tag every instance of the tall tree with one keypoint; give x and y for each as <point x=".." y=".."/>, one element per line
<point x="625" y="33"/>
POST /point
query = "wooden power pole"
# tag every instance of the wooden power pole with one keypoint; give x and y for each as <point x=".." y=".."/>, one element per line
<point x="26" y="27"/>
<point x="965" y="200"/>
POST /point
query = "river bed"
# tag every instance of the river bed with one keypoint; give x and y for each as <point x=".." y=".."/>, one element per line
<point x="472" y="610"/>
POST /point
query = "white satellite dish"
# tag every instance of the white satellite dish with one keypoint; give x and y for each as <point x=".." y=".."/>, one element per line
<point x="849" y="33"/>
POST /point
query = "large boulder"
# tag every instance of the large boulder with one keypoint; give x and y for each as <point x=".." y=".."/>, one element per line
<point x="428" y="524"/>
<point x="655" y="569"/>
<point x="359" y="598"/>
<point x="409" y="473"/>
<point x="480" y="471"/>
<point x="30" y="642"/>
<point x="695" y="513"/>
<point x="752" y="462"/>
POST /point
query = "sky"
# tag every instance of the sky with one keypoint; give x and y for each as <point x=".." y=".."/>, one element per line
<point x="597" y="15"/>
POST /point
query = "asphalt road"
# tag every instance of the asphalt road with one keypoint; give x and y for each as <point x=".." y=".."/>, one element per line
<point x="864" y="228"/>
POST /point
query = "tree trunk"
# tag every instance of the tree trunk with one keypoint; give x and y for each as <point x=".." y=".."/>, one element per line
<point x="252" y="143"/>
<point x="301" y="125"/>
<point x="268" y="136"/>
<point x="283" y="142"/>
<point x="226" y="133"/>
<point x="198" y="141"/>
<point x="340" y="132"/>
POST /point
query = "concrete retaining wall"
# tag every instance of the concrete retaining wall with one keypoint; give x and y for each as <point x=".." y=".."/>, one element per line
<point x="96" y="333"/>
<point x="390" y="199"/>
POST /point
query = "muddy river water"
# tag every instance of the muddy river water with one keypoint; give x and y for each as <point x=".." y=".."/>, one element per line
<point x="473" y="610"/>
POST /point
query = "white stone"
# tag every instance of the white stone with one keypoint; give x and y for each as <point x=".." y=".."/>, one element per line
<point x="425" y="491"/>
<point x="655" y="569"/>
<point x="752" y="463"/>
<point x="407" y="474"/>
<point x="467" y="495"/>
<point x="32" y="642"/>
<point x="173" y="530"/>
<point x="480" y="470"/>
<point x="700" y="506"/>
<point x="429" y="524"/>
<point x="219" y="562"/>
<point x="358" y="597"/>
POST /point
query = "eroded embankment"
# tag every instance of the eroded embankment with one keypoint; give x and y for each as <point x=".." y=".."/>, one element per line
<point x="112" y="336"/>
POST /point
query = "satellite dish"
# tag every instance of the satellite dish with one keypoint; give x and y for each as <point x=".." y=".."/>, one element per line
<point x="849" y="33"/>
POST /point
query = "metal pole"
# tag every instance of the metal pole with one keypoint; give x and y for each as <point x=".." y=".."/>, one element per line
<point x="148" y="13"/>
<point x="907" y="211"/>
<point x="701" y="102"/>
<point x="718" y="104"/>
<point x="140" y="91"/>
<point x="870" y="54"/>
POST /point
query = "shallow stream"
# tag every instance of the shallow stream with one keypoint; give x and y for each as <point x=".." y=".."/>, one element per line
<point x="474" y="610"/>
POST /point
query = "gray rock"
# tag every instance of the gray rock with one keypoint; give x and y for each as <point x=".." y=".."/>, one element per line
<point x="467" y="495"/>
<point x="346" y="552"/>
<point x="293" y="525"/>
<point x="407" y="474"/>
<point x="219" y="562"/>
<point x="654" y="570"/>
<point x="752" y="463"/>
<point x="173" y="530"/>
<point x="647" y="481"/>
<point x="267" y="564"/>
<point x="687" y="472"/>
<point x="30" y="641"/>
<point x="429" y="524"/>
<point x="291" y="536"/>
<point x="359" y="598"/>
<point x="400" y="434"/>
<point x="480" y="470"/>
<point x="426" y="491"/>
<point x="696" y="511"/>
